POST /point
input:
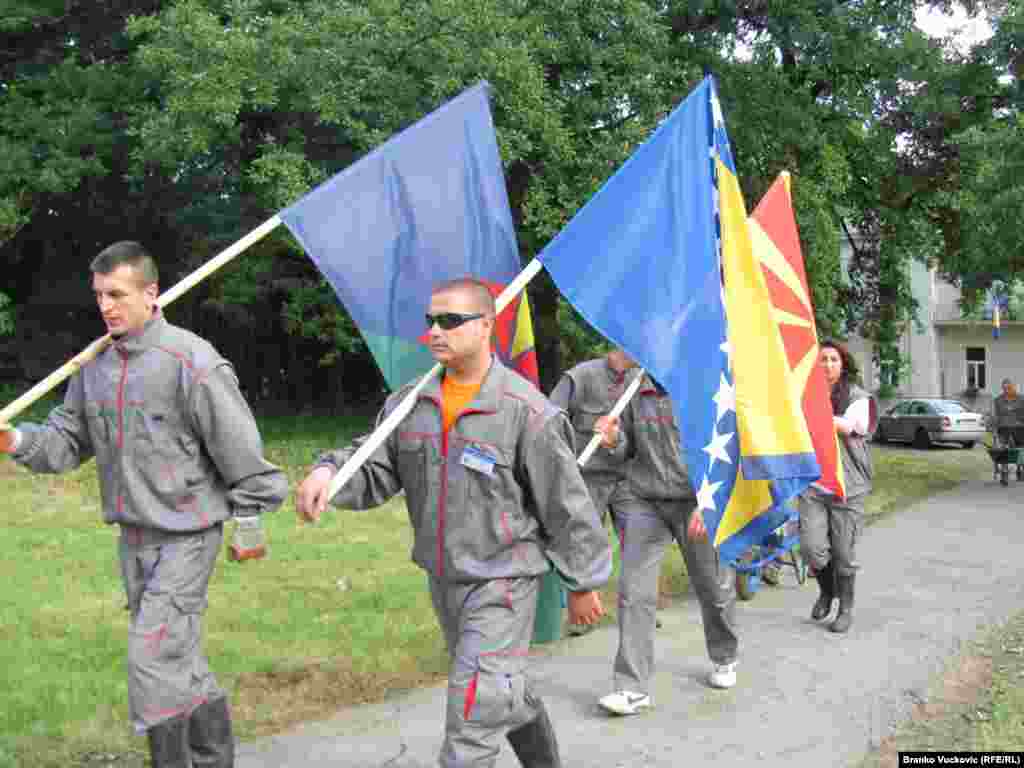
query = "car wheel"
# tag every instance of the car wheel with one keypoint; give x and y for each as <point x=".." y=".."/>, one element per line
<point x="922" y="439"/>
<point x="969" y="444"/>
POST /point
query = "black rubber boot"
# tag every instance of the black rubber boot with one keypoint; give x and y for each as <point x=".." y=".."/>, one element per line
<point x="534" y="743"/>
<point x="826" y="583"/>
<point x="845" y="617"/>
<point x="210" y="736"/>
<point x="168" y="743"/>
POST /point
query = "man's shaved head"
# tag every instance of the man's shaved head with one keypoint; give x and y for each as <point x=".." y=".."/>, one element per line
<point x="475" y="290"/>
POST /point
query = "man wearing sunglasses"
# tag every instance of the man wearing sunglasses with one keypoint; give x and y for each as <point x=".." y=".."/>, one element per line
<point x="495" y="498"/>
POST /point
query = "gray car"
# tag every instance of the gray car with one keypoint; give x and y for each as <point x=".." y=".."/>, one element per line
<point x="927" y="420"/>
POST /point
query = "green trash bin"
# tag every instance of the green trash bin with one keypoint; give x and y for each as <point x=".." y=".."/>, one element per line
<point x="547" y="626"/>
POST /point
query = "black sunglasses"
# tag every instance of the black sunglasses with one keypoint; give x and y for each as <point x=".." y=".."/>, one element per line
<point x="449" y="320"/>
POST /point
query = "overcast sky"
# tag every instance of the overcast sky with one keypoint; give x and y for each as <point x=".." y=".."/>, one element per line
<point x="968" y="31"/>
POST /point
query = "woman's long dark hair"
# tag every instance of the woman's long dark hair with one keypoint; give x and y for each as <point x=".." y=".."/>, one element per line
<point x="851" y="372"/>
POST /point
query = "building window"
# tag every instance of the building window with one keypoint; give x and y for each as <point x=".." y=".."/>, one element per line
<point x="976" y="368"/>
<point x="888" y="374"/>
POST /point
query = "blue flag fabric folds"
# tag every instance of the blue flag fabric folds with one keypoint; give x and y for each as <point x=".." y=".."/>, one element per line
<point x="427" y="205"/>
<point x="642" y="262"/>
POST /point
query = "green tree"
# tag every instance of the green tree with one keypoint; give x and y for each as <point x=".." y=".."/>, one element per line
<point x="186" y="123"/>
<point x="278" y="95"/>
<point x="6" y="315"/>
<point x="864" y="110"/>
<point x="67" y="83"/>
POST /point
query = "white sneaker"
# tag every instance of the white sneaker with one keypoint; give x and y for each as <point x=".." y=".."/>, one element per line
<point x="722" y="675"/>
<point x="626" y="702"/>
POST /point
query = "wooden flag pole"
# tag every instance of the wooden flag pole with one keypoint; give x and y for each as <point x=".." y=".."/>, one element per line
<point x="380" y="434"/>
<point x="615" y="412"/>
<point x="89" y="353"/>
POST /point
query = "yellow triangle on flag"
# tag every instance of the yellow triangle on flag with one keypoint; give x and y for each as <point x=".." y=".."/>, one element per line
<point x="524" y="328"/>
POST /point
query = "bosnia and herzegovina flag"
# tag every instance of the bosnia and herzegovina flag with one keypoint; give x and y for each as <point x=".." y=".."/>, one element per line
<point x="776" y="244"/>
<point x="778" y="460"/>
<point x="643" y="262"/>
<point x="426" y="206"/>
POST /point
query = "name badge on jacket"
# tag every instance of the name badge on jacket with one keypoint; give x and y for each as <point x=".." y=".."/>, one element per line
<point x="477" y="460"/>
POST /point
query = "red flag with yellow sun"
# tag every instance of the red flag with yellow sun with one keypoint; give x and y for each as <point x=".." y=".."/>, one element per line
<point x="513" y="330"/>
<point x="776" y="244"/>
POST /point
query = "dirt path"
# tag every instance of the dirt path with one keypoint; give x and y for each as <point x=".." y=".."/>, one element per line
<point x="933" y="578"/>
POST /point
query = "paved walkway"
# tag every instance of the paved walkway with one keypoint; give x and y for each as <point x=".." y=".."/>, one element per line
<point x="933" y="577"/>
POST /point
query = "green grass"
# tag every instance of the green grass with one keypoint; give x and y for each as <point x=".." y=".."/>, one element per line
<point x="976" y="706"/>
<point x="336" y="614"/>
<point x="906" y="475"/>
<point x="1000" y="724"/>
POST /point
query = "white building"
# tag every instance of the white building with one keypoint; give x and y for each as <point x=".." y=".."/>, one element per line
<point x="948" y="356"/>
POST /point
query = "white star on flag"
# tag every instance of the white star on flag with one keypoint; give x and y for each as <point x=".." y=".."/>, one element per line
<point x="725" y="398"/>
<point x="716" y="448"/>
<point x="726" y="349"/>
<point x="706" y="495"/>
<point x="716" y="111"/>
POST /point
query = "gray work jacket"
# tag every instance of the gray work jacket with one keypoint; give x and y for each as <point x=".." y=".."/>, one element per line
<point x="1007" y="413"/>
<point x="655" y="468"/>
<point x="586" y="392"/>
<point x="858" y="470"/>
<point x="496" y="496"/>
<point x="855" y="453"/>
<point x="177" y="448"/>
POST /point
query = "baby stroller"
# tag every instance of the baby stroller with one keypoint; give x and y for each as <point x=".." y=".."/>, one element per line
<point x="778" y="549"/>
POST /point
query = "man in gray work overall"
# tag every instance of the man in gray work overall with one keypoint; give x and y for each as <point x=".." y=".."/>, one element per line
<point x="178" y="453"/>
<point x="495" y="499"/>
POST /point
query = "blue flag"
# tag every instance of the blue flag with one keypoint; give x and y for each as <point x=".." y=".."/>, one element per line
<point x="642" y="261"/>
<point x="426" y="206"/>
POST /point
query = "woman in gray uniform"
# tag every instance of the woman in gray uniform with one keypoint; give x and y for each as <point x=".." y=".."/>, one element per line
<point x="830" y="526"/>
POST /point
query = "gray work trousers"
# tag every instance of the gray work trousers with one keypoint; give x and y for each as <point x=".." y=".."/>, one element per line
<point x="646" y="527"/>
<point x="166" y="577"/>
<point x="487" y="627"/>
<point x="1005" y="433"/>
<point x="829" y="529"/>
<point x="601" y="489"/>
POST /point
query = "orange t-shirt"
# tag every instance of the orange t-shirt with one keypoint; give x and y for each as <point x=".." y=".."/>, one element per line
<point x="454" y="399"/>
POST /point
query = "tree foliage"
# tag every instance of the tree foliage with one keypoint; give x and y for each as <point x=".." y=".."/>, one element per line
<point x="184" y="124"/>
<point x="866" y="111"/>
<point x="991" y="196"/>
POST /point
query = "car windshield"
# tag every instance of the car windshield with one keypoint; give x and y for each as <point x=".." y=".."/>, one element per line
<point x="948" y="406"/>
